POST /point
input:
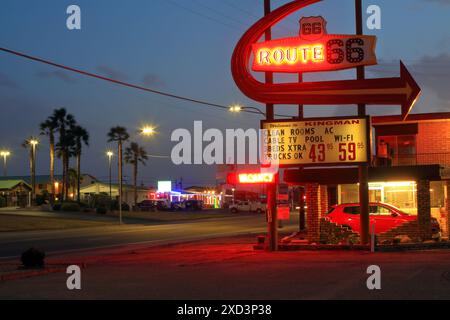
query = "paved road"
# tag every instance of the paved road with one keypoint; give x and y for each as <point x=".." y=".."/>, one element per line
<point x="228" y="268"/>
<point x="12" y="244"/>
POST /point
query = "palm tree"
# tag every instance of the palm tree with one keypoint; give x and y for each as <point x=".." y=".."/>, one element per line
<point x="133" y="155"/>
<point x="32" y="143"/>
<point x="65" y="121"/>
<point x="48" y="128"/>
<point x="119" y="134"/>
<point x="81" y="136"/>
<point x="72" y="177"/>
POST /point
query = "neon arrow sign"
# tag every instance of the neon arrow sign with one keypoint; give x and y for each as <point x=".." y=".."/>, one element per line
<point x="402" y="91"/>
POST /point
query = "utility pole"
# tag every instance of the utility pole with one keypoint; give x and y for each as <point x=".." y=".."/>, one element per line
<point x="120" y="181"/>
<point x="5" y="154"/>
<point x="271" y="188"/>
<point x="33" y="171"/>
<point x="363" y="170"/>
<point x="301" y="210"/>
<point x="110" y="155"/>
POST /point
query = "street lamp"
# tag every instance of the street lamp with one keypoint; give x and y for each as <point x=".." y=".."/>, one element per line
<point x="148" y="130"/>
<point x="56" y="190"/>
<point x="33" y="143"/>
<point x="5" y="154"/>
<point x="236" y="108"/>
<point x="110" y="154"/>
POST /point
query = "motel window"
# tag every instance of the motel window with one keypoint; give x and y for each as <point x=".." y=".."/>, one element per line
<point x="437" y="194"/>
<point x="401" y="150"/>
<point x="349" y="193"/>
<point x="402" y="195"/>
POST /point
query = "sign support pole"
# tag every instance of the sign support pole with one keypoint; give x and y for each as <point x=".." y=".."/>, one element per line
<point x="301" y="211"/>
<point x="272" y="218"/>
<point x="363" y="169"/>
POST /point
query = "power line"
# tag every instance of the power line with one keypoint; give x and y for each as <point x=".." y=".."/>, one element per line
<point x="219" y="13"/>
<point x="122" y="83"/>
<point x="231" y="5"/>
<point x="201" y="14"/>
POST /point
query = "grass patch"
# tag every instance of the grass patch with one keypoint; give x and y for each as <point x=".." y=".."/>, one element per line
<point x="171" y="216"/>
<point x="28" y="223"/>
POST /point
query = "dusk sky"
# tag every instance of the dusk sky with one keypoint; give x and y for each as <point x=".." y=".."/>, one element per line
<point x="183" y="47"/>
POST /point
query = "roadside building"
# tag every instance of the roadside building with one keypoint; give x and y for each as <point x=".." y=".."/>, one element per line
<point x="410" y="169"/>
<point x="44" y="185"/>
<point x="14" y="193"/>
<point x="100" y="188"/>
<point x="233" y="192"/>
<point x="209" y="195"/>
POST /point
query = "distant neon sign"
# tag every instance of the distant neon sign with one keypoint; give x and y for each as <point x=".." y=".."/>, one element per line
<point x="256" y="178"/>
<point x="314" y="50"/>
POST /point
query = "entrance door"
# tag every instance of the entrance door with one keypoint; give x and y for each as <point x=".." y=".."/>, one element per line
<point x="376" y="194"/>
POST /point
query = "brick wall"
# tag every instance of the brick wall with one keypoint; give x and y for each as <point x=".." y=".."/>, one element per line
<point x="411" y="229"/>
<point x="447" y="205"/>
<point x="313" y="212"/>
<point x="323" y="200"/>
<point x="423" y="209"/>
<point x="317" y="207"/>
<point x="331" y="233"/>
<point x="433" y="143"/>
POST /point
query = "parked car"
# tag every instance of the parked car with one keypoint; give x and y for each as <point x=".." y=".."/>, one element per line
<point x="147" y="205"/>
<point x="177" y="206"/>
<point x="248" y="206"/>
<point x="153" y="205"/>
<point x="192" y="205"/>
<point x="384" y="216"/>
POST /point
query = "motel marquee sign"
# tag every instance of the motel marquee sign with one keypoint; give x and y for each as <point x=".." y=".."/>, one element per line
<point x="317" y="142"/>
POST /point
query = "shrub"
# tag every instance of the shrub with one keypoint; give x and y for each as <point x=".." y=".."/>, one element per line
<point x="70" y="207"/>
<point x="2" y="202"/>
<point x="101" y="210"/>
<point x="125" y="206"/>
<point x="56" y="206"/>
<point x="99" y="200"/>
<point x="42" y="198"/>
<point x="33" y="258"/>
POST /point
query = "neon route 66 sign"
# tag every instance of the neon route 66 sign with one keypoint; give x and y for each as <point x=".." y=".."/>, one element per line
<point x="314" y="50"/>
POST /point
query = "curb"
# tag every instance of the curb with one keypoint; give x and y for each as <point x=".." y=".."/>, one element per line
<point x="24" y="275"/>
<point x="38" y="272"/>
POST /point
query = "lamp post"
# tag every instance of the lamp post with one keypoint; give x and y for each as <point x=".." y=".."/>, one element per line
<point x="110" y="154"/>
<point x="5" y="154"/>
<point x="33" y="143"/>
<point x="236" y="108"/>
<point x="56" y="187"/>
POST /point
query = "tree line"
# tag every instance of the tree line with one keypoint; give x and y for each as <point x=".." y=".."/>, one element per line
<point x="66" y="141"/>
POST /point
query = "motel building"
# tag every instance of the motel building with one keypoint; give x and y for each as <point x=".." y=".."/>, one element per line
<point x="211" y="198"/>
<point x="100" y="188"/>
<point x="410" y="169"/>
